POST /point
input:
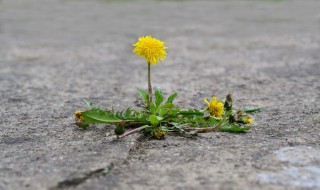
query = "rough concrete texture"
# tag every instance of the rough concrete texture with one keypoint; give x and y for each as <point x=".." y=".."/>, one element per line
<point x="54" y="53"/>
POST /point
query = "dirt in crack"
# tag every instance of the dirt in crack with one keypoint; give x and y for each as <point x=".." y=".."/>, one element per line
<point x="73" y="182"/>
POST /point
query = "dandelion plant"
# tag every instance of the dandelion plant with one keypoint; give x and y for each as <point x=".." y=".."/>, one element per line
<point x="162" y="116"/>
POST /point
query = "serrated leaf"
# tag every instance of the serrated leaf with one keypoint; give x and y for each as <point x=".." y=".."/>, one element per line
<point x="250" y="109"/>
<point x="173" y="112"/>
<point x="191" y="112"/>
<point x="144" y="95"/>
<point x="127" y="113"/>
<point x="178" y="125"/>
<point x="154" y="120"/>
<point x="213" y="121"/>
<point x="168" y="106"/>
<point x="99" y="116"/>
<point x="159" y="97"/>
<point x="234" y="128"/>
<point x="172" y="97"/>
<point x="91" y="105"/>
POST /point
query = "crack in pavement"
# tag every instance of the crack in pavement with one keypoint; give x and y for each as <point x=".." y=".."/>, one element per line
<point x="76" y="181"/>
<point x="73" y="182"/>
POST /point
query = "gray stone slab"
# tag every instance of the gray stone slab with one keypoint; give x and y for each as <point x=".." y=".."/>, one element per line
<point x="54" y="53"/>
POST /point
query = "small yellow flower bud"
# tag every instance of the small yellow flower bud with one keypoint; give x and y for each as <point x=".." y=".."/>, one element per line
<point x="78" y="116"/>
<point x="159" y="133"/>
<point x="249" y="120"/>
<point x="245" y="119"/>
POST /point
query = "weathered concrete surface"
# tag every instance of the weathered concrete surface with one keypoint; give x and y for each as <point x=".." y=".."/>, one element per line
<point x="54" y="53"/>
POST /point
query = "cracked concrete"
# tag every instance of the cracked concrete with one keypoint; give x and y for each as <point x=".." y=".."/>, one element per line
<point x="54" y="53"/>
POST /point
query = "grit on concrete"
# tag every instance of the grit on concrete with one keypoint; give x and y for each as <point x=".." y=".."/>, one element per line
<point x="54" y="53"/>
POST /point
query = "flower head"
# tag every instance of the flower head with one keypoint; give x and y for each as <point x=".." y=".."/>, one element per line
<point x="151" y="49"/>
<point x="215" y="107"/>
<point x="78" y="116"/>
<point x="159" y="133"/>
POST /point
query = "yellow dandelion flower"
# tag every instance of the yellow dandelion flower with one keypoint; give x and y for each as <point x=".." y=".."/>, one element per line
<point x="215" y="106"/>
<point x="78" y="116"/>
<point x="151" y="49"/>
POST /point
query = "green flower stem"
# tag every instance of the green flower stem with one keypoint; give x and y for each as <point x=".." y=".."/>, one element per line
<point x="149" y="83"/>
<point x="221" y="122"/>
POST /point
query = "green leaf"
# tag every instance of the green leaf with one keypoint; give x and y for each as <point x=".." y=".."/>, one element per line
<point x="214" y="121"/>
<point x="172" y="97"/>
<point x="168" y="106"/>
<point x="91" y="105"/>
<point x="163" y="128"/>
<point x="144" y="95"/>
<point x="250" y="109"/>
<point x="178" y="125"/>
<point x="159" y="96"/>
<point x="144" y="127"/>
<point x="153" y="108"/>
<point x="191" y="112"/>
<point x="82" y="125"/>
<point x="234" y="128"/>
<point x="163" y="112"/>
<point x="167" y="109"/>
<point x="100" y="116"/>
<point x="127" y="113"/>
<point x="154" y="120"/>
